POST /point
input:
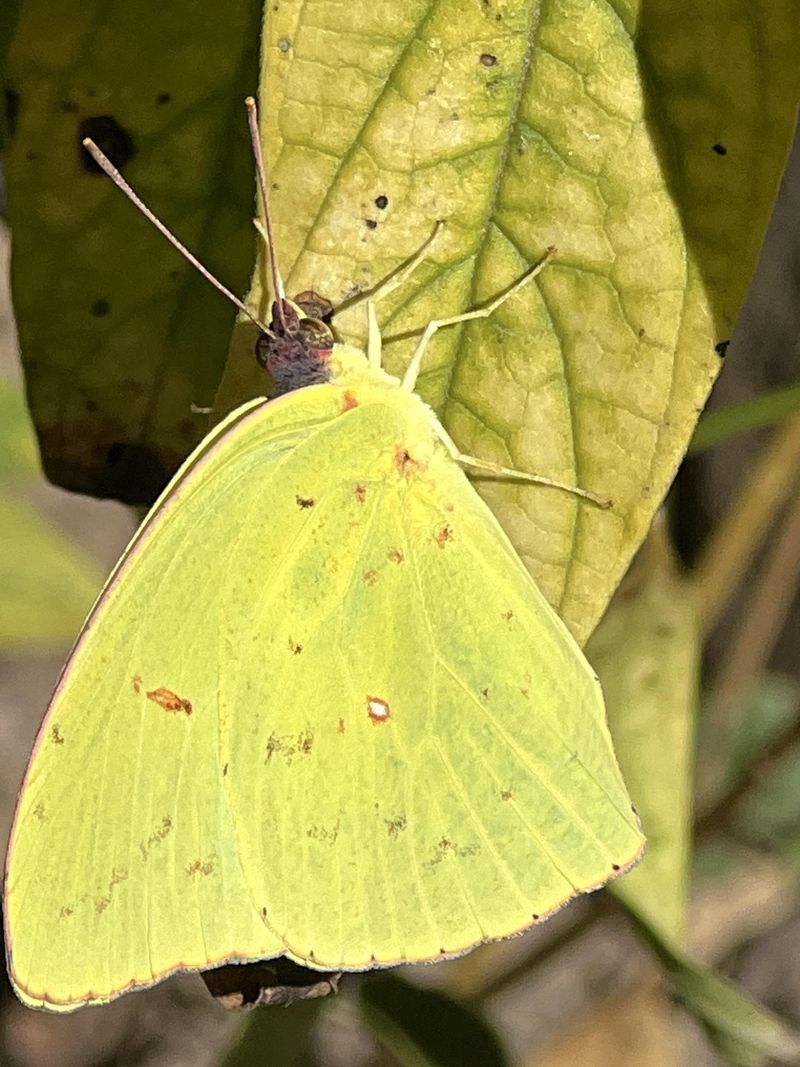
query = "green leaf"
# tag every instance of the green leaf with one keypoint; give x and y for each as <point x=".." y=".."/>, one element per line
<point x="587" y="125"/>
<point x="646" y="651"/>
<point x="19" y="460"/>
<point x="768" y="812"/>
<point x="755" y="414"/>
<point x="746" y="1034"/>
<point x="769" y="714"/>
<point x="119" y="336"/>
<point x="48" y="582"/>
<point x="273" y="1036"/>
<point x="425" y="1028"/>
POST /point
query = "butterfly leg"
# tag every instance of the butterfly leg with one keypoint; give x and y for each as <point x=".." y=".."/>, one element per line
<point x="395" y="280"/>
<point x="412" y="372"/>
<point x="486" y="466"/>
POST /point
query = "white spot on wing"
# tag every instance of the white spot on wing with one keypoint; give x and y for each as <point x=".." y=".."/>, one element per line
<point x="378" y="710"/>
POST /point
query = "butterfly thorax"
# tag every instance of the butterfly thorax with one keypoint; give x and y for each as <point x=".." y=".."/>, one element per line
<point x="360" y="385"/>
<point x="297" y="347"/>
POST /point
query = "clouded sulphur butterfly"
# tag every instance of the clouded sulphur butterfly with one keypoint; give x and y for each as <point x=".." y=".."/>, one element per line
<point x="320" y="710"/>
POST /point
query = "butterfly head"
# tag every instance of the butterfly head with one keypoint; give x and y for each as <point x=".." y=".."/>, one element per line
<point x="297" y="346"/>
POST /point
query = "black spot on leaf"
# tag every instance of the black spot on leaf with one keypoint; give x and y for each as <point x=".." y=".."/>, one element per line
<point x="163" y="98"/>
<point x="720" y="149"/>
<point x="135" y="473"/>
<point x="110" y="137"/>
<point x="100" y="308"/>
<point x="371" y="224"/>
<point x="12" y="110"/>
<point x="381" y="202"/>
<point x="721" y="348"/>
<point x="488" y="60"/>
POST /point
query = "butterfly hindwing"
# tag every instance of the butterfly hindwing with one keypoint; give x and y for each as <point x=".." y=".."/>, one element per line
<point x="446" y="760"/>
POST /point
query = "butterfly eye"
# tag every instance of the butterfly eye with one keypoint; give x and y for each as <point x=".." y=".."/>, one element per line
<point x="315" y="306"/>
<point x="316" y="334"/>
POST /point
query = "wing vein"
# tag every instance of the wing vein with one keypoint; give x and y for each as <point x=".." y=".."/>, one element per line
<point x="524" y="759"/>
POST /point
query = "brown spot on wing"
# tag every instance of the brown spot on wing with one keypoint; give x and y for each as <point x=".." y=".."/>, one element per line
<point x="405" y="462"/>
<point x="444" y="536"/>
<point x="169" y="700"/>
<point x="304" y="502"/>
<point x="55" y="734"/>
<point x="395" y="555"/>
<point x="137" y="683"/>
<point x="506" y="794"/>
<point x="156" y="837"/>
<point x="341" y="726"/>
<point x="295" y="648"/>
<point x="200" y="867"/>
<point x="508" y="615"/>
<point x="396" y="825"/>
<point x="324" y="833"/>
<point x="370" y="577"/>
<point x="289" y="745"/>
<point x="117" y="876"/>
<point x="361" y="493"/>
<point x="349" y="401"/>
<point x="445" y="848"/>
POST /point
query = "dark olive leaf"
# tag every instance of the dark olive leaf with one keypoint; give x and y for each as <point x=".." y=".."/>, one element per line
<point x="119" y="336"/>
<point x="425" y="1028"/>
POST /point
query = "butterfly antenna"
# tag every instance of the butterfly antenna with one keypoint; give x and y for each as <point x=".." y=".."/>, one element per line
<point x="105" y="164"/>
<point x="255" y="137"/>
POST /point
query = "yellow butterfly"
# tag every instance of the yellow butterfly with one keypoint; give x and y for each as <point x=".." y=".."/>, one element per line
<point x="320" y="709"/>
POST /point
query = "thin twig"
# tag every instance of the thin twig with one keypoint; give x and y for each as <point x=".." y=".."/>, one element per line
<point x="748" y="653"/>
<point x="600" y="908"/>
<point x="730" y="551"/>
<point x="715" y="817"/>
